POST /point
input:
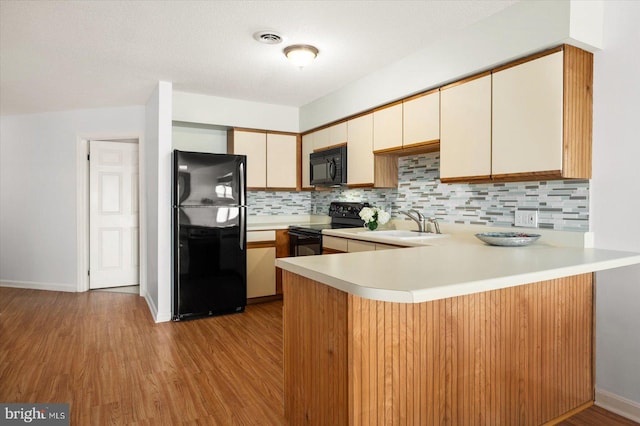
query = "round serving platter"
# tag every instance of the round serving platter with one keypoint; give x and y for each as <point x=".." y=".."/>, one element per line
<point x="507" y="239"/>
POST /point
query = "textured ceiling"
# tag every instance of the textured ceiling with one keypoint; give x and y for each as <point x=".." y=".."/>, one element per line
<point x="61" y="55"/>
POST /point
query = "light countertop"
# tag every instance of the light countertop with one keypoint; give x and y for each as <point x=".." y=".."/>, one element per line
<point x="273" y="222"/>
<point x="455" y="265"/>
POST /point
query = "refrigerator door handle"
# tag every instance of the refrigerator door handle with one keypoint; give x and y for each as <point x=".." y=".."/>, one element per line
<point x="242" y="227"/>
<point x="243" y="202"/>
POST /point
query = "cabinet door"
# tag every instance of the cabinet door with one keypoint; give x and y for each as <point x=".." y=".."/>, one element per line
<point x="335" y="244"/>
<point x="330" y="136"/>
<point x="527" y="117"/>
<point x="307" y="149"/>
<point x="321" y="139"/>
<point x="261" y="272"/>
<point x="385" y="247"/>
<point x="360" y="165"/>
<point x="387" y="128"/>
<point x="254" y="146"/>
<point x="282" y="161"/>
<point x="421" y="119"/>
<point x="465" y="130"/>
<point x="356" y="245"/>
<point x="338" y="134"/>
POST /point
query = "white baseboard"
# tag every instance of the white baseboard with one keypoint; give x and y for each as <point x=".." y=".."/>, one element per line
<point x="157" y="317"/>
<point x="617" y="404"/>
<point x="163" y="317"/>
<point x="34" y="285"/>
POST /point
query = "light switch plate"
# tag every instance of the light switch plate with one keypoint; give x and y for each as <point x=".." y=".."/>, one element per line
<point x="526" y="218"/>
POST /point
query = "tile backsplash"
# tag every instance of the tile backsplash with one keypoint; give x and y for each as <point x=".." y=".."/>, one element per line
<point x="562" y="204"/>
<point x="263" y="203"/>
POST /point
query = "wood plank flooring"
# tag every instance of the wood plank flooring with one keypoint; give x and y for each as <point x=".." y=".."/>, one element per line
<point x="101" y="353"/>
<point x="596" y="416"/>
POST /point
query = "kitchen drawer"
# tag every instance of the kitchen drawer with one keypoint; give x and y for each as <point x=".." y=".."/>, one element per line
<point x="255" y="236"/>
<point x="334" y="243"/>
<point x="356" y="245"/>
<point x="385" y="246"/>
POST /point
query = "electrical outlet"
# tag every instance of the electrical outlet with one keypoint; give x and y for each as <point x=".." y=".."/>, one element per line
<point x="526" y="218"/>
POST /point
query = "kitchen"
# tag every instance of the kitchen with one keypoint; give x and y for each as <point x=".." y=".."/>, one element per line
<point x="612" y="221"/>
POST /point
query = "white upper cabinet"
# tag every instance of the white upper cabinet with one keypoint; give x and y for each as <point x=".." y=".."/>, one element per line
<point x="338" y="134"/>
<point x="282" y="159"/>
<point x="360" y="160"/>
<point x="307" y="149"/>
<point x="465" y="130"/>
<point x="330" y="136"/>
<point x="272" y="158"/>
<point x="530" y="120"/>
<point x="421" y="119"/>
<point x="527" y="117"/>
<point x="254" y="146"/>
<point x="387" y="128"/>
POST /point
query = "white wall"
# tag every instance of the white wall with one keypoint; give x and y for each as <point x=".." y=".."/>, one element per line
<point x="157" y="169"/>
<point x="615" y="202"/>
<point x="523" y="28"/>
<point x="199" y="138"/>
<point x="194" y="108"/>
<point x="38" y="244"/>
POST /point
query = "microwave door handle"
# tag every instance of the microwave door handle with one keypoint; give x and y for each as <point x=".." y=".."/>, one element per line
<point x="332" y="169"/>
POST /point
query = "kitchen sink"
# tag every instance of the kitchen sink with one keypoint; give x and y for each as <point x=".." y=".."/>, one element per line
<point x="407" y="235"/>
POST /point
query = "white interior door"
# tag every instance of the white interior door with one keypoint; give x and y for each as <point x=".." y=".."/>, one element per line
<point x="113" y="214"/>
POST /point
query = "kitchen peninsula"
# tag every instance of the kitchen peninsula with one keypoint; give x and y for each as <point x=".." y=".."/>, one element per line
<point x="456" y="332"/>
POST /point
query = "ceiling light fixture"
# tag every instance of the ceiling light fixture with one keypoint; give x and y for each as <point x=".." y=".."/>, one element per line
<point x="301" y="55"/>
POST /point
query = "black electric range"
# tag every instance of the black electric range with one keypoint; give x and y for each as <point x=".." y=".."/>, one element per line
<point x="307" y="240"/>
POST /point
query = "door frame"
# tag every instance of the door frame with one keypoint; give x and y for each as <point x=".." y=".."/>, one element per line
<point x="82" y="209"/>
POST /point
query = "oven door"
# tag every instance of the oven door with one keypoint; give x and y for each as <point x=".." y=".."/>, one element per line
<point x="304" y="243"/>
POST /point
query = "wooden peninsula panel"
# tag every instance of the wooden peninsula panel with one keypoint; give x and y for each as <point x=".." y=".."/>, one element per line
<point x="315" y="355"/>
<point x="520" y="355"/>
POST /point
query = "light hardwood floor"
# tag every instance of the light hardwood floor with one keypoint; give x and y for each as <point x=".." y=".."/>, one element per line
<point x="101" y="353"/>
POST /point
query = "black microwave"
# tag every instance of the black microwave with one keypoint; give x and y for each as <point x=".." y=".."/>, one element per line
<point x="328" y="167"/>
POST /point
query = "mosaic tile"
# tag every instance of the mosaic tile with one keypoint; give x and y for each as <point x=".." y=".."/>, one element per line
<point x="562" y="204"/>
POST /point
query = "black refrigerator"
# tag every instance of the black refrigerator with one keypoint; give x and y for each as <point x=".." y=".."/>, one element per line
<point x="209" y="234"/>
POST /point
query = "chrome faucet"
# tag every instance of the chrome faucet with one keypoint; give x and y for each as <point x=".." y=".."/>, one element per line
<point x="417" y="217"/>
<point x="434" y="222"/>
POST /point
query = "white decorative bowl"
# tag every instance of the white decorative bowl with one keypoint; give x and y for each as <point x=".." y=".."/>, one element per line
<point x="507" y="239"/>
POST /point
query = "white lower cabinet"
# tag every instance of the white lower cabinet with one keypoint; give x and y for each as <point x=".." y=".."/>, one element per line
<point x="261" y="258"/>
<point x="334" y="244"/>
<point x="356" y="245"/>
<point x="385" y="247"/>
<point x="346" y="245"/>
<point x="261" y="273"/>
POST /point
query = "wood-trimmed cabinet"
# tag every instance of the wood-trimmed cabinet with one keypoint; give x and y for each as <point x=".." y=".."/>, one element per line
<point x="542" y="116"/>
<point x="465" y="129"/>
<point x="364" y="168"/>
<point x="307" y="149"/>
<point x="531" y="120"/>
<point x="272" y="158"/>
<point x="360" y="160"/>
<point x="387" y="128"/>
<point x="421" y="120"/>
<point x="331" y="244"/>
<point x="407" y="126"/>
<point x="261" y="257"/>
<point x="264" y="280"/>
<point x="330" y="136"/>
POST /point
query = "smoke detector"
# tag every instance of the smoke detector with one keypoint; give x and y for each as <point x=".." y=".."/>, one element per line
<point x="268" y="37"/>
